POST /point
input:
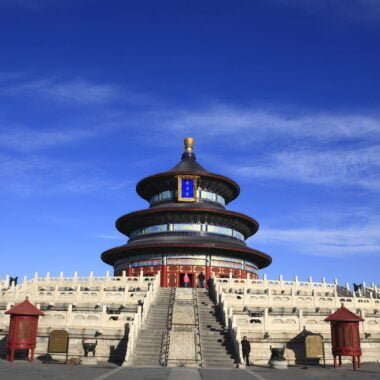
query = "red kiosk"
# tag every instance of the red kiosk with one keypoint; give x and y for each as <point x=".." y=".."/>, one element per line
<point x="345" y="338"/>
<point x="22" y="332"/>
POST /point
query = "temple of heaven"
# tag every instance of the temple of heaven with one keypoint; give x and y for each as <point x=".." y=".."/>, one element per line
<point x="187" y="228"/>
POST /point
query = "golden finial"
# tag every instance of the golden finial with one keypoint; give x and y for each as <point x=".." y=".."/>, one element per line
<point x="189" y="143"/>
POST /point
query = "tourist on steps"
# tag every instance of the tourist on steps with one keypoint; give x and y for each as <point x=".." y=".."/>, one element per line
<point x="201" y="280"/>
<point x="246" y="348"/>
<point x="186" y="280"/>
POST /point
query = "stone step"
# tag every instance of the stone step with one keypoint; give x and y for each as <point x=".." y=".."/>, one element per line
<point x="218" y="364"/>
<point x="147" y="363"/>
<point x="208" y="318"/>
<point x="215" y="358"/>
<point x="216" y="350"/>
<point x="210" y="324"/>
<point x="156" y="323"/>
<point x="149" y="344"/>
<point x="152" y="355"/>
<point x="143" y="353"/>
<point x="215" y="341"/>
<point x="157" y="318"/>
<point x="147" y="350"/>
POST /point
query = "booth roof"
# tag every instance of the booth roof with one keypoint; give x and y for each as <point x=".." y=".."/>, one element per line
<point x="344" y="315"/>
<point x="24" y="308"/>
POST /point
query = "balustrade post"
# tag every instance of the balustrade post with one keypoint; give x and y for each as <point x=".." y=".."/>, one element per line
<point x="266" y="320"/>
<point x="75" y="279"/>
<point x="69" y="313"/>
<point x="300" y="319"/>
<point x="90" y="278"/>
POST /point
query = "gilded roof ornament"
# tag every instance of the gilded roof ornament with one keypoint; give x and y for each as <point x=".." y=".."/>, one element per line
<point x="189" y="143"/>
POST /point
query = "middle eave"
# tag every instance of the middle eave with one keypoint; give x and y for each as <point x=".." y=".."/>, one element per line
<point x="163" y="215"/>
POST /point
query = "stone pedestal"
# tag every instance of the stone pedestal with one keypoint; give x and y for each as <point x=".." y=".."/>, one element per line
<point x="278" y="364"/>
<point x="89" y="360"/>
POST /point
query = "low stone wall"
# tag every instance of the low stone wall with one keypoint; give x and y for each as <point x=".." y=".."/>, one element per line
<point x="275" y="313"/>
<point x="111" y="345"/>
<point x="109" y="310"/>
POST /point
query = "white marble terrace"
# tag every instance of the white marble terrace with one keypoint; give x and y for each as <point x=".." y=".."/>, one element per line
<point x="269" y="312"/>
<point x="108" y="306"/>
<point x="274" y="312"/>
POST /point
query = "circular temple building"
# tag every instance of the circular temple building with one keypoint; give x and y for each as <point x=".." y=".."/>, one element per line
<point x="187" y="228"/>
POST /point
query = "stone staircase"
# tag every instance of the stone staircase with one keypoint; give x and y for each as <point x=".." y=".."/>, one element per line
<point x="216" y="346"/>
<point x="152" y="339"/>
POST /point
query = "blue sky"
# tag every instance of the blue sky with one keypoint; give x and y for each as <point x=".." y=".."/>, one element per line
<point x="282" y="96"/>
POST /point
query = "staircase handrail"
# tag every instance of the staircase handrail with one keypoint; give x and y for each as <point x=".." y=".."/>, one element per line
<point x="166" y="335"/>
<point x="163" y="354"/>
<point x="197" y="335"/>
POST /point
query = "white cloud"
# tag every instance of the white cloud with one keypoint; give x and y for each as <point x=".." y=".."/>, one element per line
<point x="28" y="139"/>
<point x="357" y="167"/>
<point x="39" y="176"/>
<point x="323" y="230"/>
<point x="318" y="148"/>
<point x="251" y="125"/>
<point x="31" y="139"/>
<point x="77" y="91"/>
<point x="352" y="240"/>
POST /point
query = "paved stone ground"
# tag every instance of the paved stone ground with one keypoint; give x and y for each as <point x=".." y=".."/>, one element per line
<point x="20" y="370"/>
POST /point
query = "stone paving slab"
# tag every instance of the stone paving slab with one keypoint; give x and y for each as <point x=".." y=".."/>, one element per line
<point x="20" y="370"/>
<point x="367" y="371"/>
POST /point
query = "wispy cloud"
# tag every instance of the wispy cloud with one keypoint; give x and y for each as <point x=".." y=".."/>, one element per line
<point x="28" y="139"/>
<point x="35" y="138"/>
<point x="258" y="125"/>
<point x="359" y="167"/>
<point x="317" y="241"/>
<point x="36" y="175"/>
<point x="314" y="147"/>
<point x="324" y="230"/>
<point x="77" y="91"/>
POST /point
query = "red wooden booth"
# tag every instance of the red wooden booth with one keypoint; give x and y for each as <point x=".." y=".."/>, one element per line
<point x="345" y="338"/>
<point x="22" y="332"/>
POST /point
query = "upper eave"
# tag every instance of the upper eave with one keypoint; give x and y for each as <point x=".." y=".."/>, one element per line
<point x="216" y="183"/>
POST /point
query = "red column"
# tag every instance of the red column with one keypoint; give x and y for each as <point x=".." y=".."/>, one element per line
<point x="208" y="273"/>
<point x="164" y="276"/>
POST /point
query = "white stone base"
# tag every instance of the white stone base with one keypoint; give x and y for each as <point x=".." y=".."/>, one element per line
<point x="278" y="364"/>
<point x="89" y="360"/>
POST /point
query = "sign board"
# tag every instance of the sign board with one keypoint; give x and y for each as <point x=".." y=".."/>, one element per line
<point x="58" y="343"/>
<point x="187" y="188"/>
<point x="314" y="348"/>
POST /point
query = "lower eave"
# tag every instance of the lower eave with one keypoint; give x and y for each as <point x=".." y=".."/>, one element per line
<point x="261" y="259"/>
